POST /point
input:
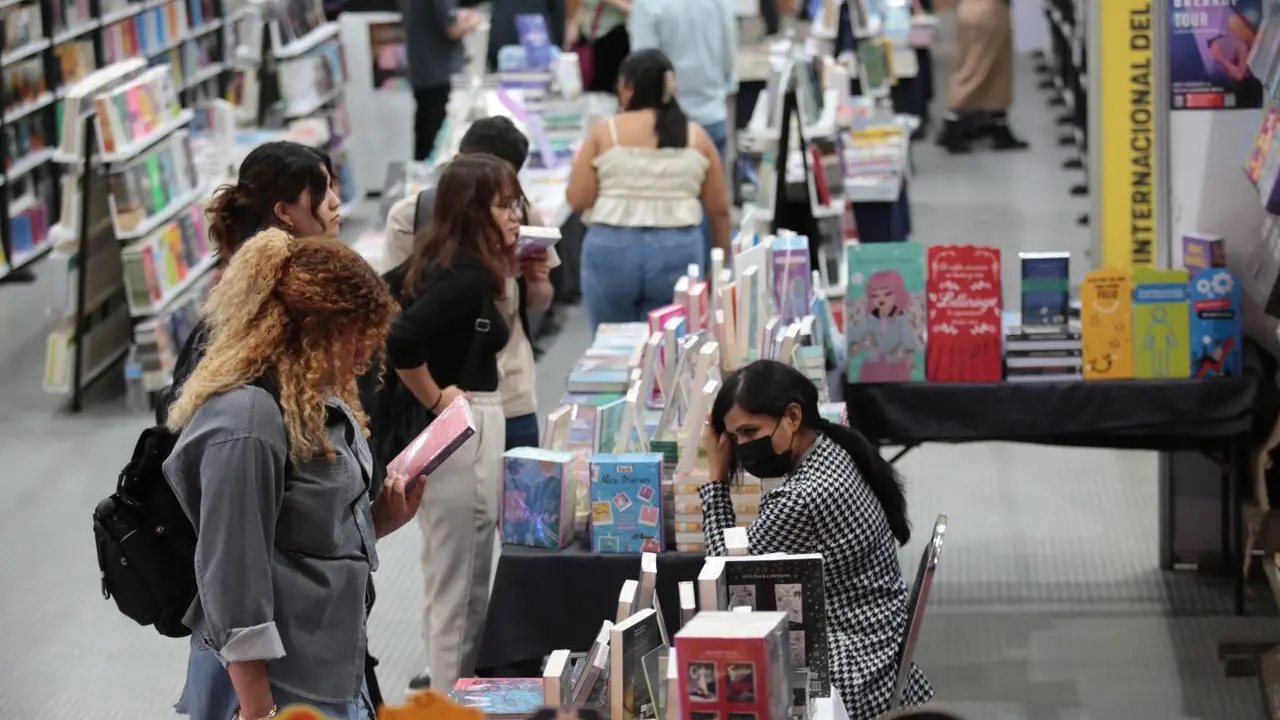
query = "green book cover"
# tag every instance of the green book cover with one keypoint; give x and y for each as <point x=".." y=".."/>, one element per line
<point x="159" y="193"/>
<point x="1161" y="323"/>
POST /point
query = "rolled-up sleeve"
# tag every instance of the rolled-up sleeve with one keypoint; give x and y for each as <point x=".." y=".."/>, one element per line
<point x="241" y="488"/>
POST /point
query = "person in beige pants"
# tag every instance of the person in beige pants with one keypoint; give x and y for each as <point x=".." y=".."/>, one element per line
<point x="981" y="86"/>
<point x="444" y="345"/>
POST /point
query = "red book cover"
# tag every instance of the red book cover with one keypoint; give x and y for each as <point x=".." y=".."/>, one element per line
<point x="448" y="432"/>
<point x="732" y="674"/>
<point x="819" y="176"/>
<point x="964" y="314"/>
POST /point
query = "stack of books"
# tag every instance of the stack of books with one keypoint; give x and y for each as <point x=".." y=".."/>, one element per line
<point x="606" y="366"/>
<point x="1038" y="354"/>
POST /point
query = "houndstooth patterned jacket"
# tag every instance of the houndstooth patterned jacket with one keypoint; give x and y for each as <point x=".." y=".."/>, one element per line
<point x="825" y="507"/>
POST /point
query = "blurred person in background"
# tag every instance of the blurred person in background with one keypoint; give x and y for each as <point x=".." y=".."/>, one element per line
<point x="598" y="32"/>
<point x="700" y="38"/>
<point x="642" y="180"/>
<point x="530" y="292"/>
<point x="433" y="31"/>
<point x="981" y="87"/>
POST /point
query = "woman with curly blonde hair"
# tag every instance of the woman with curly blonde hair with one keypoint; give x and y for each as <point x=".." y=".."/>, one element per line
<point x="273" y="470"/>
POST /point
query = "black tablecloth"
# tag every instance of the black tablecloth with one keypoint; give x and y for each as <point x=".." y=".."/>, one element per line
<point x="545" y="600"/>
<point x="1127" y="414"/>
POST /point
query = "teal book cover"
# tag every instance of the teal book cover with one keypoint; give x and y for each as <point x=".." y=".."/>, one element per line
<point x="538" y="498"/>
<point x="885" y="312"/>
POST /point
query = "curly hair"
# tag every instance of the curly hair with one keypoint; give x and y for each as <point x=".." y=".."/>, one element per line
<point x="283" y="307"/>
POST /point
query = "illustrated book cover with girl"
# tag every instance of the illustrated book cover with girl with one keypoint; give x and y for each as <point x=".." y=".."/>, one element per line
<point x="884" y="315"/>
<point x="1216" y="335"/>
<point x="964" y="314"/>
<point x="538" y="493"/>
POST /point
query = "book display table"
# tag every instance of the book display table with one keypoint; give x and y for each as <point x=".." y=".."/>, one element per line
<point x="1211" y="416"/>
<point x="544" y="600"/>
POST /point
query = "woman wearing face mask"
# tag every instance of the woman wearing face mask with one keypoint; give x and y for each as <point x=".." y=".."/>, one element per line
<point x="838" y="498"/>
<point x="446" y="344"/>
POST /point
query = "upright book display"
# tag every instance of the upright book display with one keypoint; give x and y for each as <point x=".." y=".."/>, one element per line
<point x="131" y="209"/>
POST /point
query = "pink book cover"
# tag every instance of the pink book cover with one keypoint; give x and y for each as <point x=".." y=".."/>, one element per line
<point x="657" y="321"/>
<point x="138" y="122"/>
<point x="448" y="432"/>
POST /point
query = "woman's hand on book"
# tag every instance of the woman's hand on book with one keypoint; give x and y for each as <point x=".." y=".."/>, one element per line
<point x="447" y="396"/>
<point x="397" y="503"/>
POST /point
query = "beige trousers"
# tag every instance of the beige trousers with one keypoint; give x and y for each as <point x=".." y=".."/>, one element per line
<point x="459" y="520"/>
<point x="983" y="75"/>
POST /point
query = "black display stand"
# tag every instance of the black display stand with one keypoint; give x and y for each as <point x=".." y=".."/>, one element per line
<point x="1065" y="75"/>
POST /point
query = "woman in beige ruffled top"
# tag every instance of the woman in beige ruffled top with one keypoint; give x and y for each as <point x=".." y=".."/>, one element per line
<point x="642" y="181"/>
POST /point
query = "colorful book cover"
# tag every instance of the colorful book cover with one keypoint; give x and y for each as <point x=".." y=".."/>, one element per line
<point x="1106" y="325"/>
<point x="792" y="584"/>
<point x="538" y="498"/>
<point x="499" y="698"/>
<point x="442" y="438"/>
<point x="729" y="672"/>
<point x="532" y="31"/>
<point x="964" y="314"/>
<point x="1215" y="324"/>
<point x="626" y="503"/>
<point x="791" y="275"/>
<point x="885" y="316"/>
<point x="1046" y="288"/>
<point x="1161" y="324"/>
<point x="1203" y="251"/>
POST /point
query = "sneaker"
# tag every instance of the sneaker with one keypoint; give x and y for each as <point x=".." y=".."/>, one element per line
<point x="421" y="682"/>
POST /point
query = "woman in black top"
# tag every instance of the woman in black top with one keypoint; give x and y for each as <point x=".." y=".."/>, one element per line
<point x="444" y="345"/>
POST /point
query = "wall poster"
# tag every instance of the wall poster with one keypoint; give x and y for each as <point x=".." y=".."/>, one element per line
<point x="1209" y="46"/>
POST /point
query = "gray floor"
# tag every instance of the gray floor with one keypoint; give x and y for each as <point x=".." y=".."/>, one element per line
<point x="1048" y="604"/>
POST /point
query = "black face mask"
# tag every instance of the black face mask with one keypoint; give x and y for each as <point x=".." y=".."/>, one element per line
<point x="759" y="458"/>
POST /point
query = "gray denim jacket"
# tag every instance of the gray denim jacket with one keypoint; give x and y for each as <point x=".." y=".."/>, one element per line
<point x="282" y="563"/>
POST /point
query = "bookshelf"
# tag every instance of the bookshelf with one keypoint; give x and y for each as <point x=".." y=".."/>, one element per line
<point x="1065" y="74"/>
<point x="49" y="46"/>
<point x="132" y="225"/>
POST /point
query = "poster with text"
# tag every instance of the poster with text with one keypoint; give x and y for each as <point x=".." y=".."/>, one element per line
<point x="1209" y="45"/>
<point x="964" y="314"/>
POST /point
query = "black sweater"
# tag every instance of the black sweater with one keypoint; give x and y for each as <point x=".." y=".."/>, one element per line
<point x="438" y="326"/>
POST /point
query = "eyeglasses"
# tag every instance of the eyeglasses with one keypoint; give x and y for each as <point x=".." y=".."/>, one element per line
<point x="514" y="205"/>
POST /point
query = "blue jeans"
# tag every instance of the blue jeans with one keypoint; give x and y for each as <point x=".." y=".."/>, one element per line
<point x="719" y="133"/>
<point x="627" y="272"/>
<point x="208" y="694"/>
<point x="522" y="431"/>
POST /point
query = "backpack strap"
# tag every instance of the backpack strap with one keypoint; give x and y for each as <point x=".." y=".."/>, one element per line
<point x="422" y="211"/>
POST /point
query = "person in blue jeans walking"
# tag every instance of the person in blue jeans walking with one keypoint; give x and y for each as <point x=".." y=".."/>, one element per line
<point x="700" y="37"/>
<point x="642" y="181"/>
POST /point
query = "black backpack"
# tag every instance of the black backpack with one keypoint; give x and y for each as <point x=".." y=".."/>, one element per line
<point x="145" y="543"/>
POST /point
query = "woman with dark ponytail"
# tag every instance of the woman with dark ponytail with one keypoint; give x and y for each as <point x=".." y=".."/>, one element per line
<point x="838" y="498"/>
<point x="642" y="182"/>
<point x="281" y="185"/>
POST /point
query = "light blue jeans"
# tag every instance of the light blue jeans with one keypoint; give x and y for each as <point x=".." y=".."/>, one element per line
<point x="208" y="694"/>
<point x="627" y="272"/>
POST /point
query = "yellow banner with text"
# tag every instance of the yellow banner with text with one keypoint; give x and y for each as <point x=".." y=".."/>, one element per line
<point x="1127" y="159"/>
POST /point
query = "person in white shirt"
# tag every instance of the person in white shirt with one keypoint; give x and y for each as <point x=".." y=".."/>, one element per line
<point x="700" y="38"/>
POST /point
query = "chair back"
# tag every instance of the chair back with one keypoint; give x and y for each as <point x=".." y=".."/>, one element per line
<point x="917" y="601"/>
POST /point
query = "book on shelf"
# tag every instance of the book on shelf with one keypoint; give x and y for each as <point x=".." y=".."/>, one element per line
<point x="293" y="20"/>
<point x="163" y="263"/>
<point x="136" y="110"/>
<point x="152" y="184"/>
<point x="78" y="103"/>
<point x="23" y="26"/>
<point x="69" y="16"/>
<point x="308" y="81"/>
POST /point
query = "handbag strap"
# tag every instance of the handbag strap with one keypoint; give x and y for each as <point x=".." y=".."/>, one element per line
<point x="482" y="326"/>
<point x="595" y="20"/>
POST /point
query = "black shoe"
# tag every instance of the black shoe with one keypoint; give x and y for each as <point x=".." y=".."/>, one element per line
<point x="954" y="137"/>
<point x="1002" y="138"/>
<point x="421" y="682"/>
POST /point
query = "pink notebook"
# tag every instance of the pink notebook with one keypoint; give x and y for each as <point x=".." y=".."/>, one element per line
<point x="448" y="432"/>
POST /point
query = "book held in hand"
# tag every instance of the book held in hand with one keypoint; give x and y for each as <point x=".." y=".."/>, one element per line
<point x="442" y="438"/>
<point x="533" y="239"/>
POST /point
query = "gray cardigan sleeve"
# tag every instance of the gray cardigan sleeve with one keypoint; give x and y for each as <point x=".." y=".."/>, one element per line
<point x="241" y="488"/>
